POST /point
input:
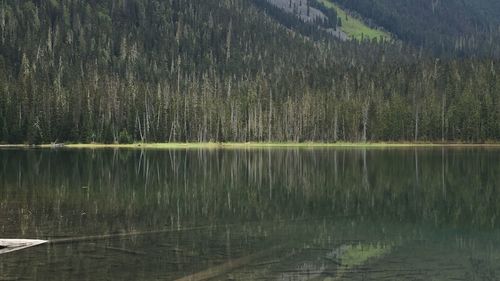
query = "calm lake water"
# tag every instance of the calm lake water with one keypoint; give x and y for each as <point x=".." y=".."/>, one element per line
<point x="259" y="214"/>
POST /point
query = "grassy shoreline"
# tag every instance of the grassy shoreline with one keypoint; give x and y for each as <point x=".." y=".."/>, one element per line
<point x="245" y="145"/>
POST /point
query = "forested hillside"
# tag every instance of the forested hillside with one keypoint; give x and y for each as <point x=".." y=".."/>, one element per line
<point x="446" y="27"/>
<point x="224" y="70"/>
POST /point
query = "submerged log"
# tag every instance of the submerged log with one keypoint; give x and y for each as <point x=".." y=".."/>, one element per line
<point x="7" y="245"/>
<point x="121" y="235"/>
<point x="228" y="266"/>
<point x="11" y="245"/>
<point x="124" y="250"/>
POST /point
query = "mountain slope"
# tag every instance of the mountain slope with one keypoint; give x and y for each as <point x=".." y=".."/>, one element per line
<point x="233" y="70"/>
<point x="463" y="27"/>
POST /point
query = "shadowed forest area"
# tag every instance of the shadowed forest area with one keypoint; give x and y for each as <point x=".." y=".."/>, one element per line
<point x="231" y="70"/>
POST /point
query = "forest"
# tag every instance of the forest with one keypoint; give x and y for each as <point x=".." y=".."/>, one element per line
<point x="445" y="28"/>
<point x="121" y="71"/>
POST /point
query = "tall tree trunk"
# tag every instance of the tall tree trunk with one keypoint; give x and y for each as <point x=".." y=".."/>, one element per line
<point x="335" y="125"/>
<point x="416" y="123"/>
<point x="365" y="120"/>
<point x="270" y="115"/>
<point x="443" y="105"/>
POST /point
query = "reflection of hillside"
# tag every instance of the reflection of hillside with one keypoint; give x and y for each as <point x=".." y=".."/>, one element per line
<point x="100" y="191"/>
<point x="324" y="249"/>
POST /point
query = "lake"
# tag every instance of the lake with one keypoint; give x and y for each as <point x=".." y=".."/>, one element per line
<point x="252" y="214"/>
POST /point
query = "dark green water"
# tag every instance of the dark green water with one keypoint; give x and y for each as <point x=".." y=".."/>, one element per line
<point x="290" y="214"/>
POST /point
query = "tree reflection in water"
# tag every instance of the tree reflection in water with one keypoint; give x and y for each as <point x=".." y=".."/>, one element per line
<point x="335" y="213"/>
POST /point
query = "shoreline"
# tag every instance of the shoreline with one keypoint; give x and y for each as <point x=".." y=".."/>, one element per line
<point x="249" y="145"/>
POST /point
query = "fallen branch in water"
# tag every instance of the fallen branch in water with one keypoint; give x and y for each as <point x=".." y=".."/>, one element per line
<point x="228" y="266"/>
<point x="123" y="250"/>
<point x="266" y="263"/>
<point x="12" y="245"/>
<point x="120" y="235"/>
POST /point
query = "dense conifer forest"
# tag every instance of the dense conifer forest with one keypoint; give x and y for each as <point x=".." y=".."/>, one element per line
<point x="242" y="70"/>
